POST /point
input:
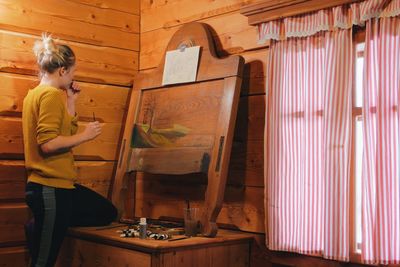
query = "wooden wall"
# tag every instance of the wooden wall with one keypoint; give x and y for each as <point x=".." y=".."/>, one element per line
<point x="243" y="206"/>
<point x="105" y="37"/>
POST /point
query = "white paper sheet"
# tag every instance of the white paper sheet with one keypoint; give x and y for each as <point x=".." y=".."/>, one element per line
<point x="181" y="66"/>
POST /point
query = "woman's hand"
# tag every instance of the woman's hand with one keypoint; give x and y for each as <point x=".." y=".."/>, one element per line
<point x="73" y="91"/>
<point x="61" y="143"/>
<point x="92" y="130"/>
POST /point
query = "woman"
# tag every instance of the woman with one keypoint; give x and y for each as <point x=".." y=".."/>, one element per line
<point x="49" y="130"/>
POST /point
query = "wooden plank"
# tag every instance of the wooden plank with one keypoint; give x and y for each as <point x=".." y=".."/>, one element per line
<point x="96" y="175"/>
<point x="271" y="10"/>
<point x="170" y="160"/>
<point x="95" y="63"/>
<point x="76" y="252"/>
<point x="158" y="196"/>
<point x="247" y="164"/>
<point x="255" y="68"/>
<point x="72" y="21"/>
<point x="106" y="101"/>
<point x="176" y="13"/>
<point x="131" y="7"/>
<point x="12" y="180"/>
<point x="14" y="257"/>
<point x="251" y="119"/>
<point x="13" y="216"/>
<point x="247" y="157"/>
<point x="93" y="174"/>
<point x="228" y="255"/>
<point x="231" y="32"/>
<point x="104" y="147"/>
<point x="11" y="143"/>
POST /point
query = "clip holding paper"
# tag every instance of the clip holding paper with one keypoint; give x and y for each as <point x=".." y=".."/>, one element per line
<point x="182" y="47"/>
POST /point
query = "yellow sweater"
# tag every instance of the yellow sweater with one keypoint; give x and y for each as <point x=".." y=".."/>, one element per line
<point x="45" y="117"/>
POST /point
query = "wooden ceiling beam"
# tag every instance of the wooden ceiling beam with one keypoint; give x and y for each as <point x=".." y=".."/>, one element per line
<point x="269" y="10"/>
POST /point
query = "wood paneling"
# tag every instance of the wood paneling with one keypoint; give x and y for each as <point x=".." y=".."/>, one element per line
<point x="231" y="32"/>
<point x="76" y="252"/>
<point x="93" y="174"/>
<point x="131" y="7"/>
<point x="247" y="158"/>
<point x="104" y="147"/>
<point x="106" y="101"/>
<point x="228" y="255"/>
<point x="14" y="257"/>
<point x="160" y="196"/>
<point x="94" y="63"/>
<point x="104" y="35"/>
<point x="175" y="13"/>
<point x="254" y="80"/>
<point x="72" y="21"/>
<point x="13" y="216"/>
<point x="12" y="180"/>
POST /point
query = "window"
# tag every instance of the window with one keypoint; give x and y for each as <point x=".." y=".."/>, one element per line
<point x="357" y="154"/>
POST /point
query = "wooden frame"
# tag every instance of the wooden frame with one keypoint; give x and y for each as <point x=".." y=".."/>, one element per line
<point x="265" y="11"/>
<point x="169" y="148"/>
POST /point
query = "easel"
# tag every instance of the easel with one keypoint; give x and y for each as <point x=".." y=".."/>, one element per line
<point x="169" y="142"/>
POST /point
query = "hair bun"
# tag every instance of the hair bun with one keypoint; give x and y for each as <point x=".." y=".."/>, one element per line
<point x="44" y="47"/>
<point x="48" y="44"/>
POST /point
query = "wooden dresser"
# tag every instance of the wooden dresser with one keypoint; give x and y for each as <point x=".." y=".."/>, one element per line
<point x="89" y="246"/>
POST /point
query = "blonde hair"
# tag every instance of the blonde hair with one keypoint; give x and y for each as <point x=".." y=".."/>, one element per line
<point x="51" y="56"/>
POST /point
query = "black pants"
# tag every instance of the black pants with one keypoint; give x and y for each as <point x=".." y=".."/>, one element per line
<point x="54" y="210"/>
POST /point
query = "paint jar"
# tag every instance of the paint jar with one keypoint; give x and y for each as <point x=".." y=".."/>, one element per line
<point x="142" y="228"/>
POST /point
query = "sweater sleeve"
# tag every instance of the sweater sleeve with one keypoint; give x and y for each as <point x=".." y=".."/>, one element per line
<point x="51" y="110"/>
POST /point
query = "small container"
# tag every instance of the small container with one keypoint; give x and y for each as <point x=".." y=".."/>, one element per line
<point x="142" y="228"/>
<point x="190" y="216"/>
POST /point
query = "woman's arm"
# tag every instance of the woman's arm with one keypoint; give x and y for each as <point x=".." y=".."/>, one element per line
<point x="61" y="143"/>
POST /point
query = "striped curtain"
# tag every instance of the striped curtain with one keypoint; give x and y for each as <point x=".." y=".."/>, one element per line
<point x="381" y="177"/>
<point x="308" y="132"/>
<point x="308" y="144"/>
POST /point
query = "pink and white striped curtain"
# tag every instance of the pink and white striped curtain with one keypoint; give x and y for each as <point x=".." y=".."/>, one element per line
<point x="308" y="141"/>
<point x="308" y="131"/>
<point x="381" y="165"/>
